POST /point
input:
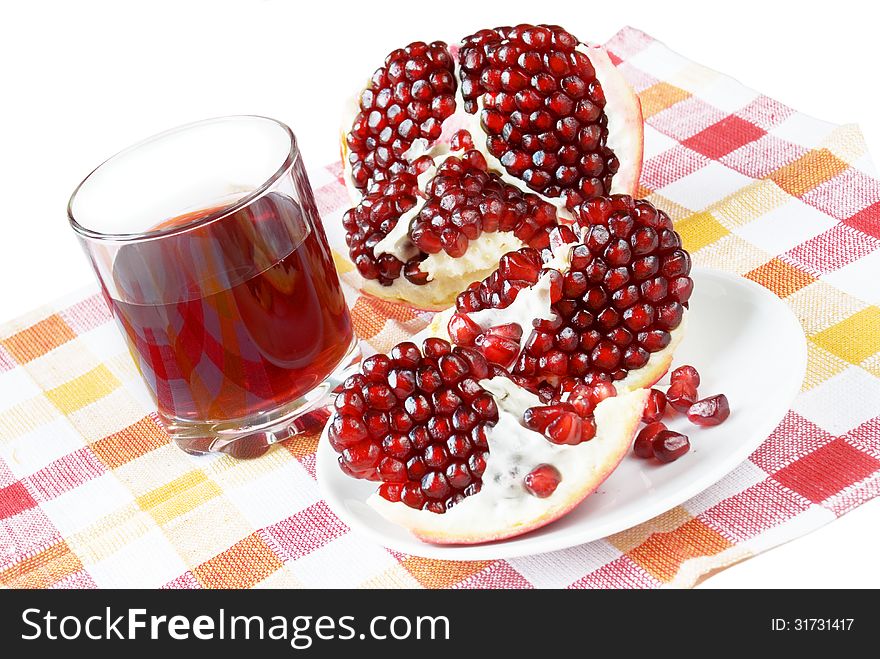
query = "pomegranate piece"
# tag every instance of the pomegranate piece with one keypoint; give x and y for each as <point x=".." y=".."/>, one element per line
<point x="616" y="304"/>
<point x="686" y="374"/>
<point x="643" y="447"/>
<point x="655" y="407"/>
<point x="681" y="396"/>
<point x="542" y="481"/>
<point x="669" y="446"/>
<point x="464" y="199"/>
<point x="416" y="421"/>
<point x="543" y="109"/>
<point x="407" y="98"/>
<point x="710" y="411"/>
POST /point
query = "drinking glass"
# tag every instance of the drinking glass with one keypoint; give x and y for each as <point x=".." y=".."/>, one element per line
<point x="210" y="252"/>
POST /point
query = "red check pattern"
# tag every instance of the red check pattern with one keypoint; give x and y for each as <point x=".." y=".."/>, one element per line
<point x="93" y="495"/>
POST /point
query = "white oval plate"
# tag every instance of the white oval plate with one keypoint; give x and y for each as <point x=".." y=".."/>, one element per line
<point x="746" y="344"/>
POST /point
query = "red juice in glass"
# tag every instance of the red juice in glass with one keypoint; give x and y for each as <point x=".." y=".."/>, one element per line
<point x="227" y="330"/>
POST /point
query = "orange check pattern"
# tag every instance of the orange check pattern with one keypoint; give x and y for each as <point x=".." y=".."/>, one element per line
<point x="93" y="495"/>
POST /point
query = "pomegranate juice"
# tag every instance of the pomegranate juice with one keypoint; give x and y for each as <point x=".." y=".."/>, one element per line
<point x="235" y="316"/>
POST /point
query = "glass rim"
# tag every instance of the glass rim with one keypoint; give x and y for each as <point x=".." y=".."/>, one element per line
<point x="259" y="191"/>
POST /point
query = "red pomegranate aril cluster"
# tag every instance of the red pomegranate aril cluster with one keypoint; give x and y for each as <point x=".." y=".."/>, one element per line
<point x="371" y="220"/>
<point x="626" y="289"/>
<point x="465" y="200"/>
<point x="408" y="98"/>
<point x="542" y="109"/>
<point x="569" y="419"/>
<point x="416" y="420"/>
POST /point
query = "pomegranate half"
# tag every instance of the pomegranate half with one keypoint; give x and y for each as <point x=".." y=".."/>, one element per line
<point x="465" y="455"/>
<point x="539" y="123"/>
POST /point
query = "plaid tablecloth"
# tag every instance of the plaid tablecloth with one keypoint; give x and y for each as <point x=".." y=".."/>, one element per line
<point x="92" y="494"/>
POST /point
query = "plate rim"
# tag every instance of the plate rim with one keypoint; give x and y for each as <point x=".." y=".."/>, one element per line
<point x="516" y="547"/>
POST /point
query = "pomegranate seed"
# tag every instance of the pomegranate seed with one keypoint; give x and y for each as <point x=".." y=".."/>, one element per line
<point x="347" y="430"/>
<point x="644" y="444"/>
<point x="710" y="411"/>
<point x="538" y="418"/>
<point x="655" y="406"/>
<point x="670" y="446"/>
<point x="588" y="428"/>
<point x="681" y="396"/>
<point x="542" y="481"/>
<point x="566" y="428"/>
<point x="686" y="374"/>
<point x="462" y="330"/>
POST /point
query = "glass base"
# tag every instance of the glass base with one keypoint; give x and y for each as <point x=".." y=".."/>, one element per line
<point x="251" y="437"/>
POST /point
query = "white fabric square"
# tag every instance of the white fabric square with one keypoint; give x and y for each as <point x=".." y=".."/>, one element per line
<point x="802" y="523"/>
<point x="273" y="497"/>
<point x="704" y="187"/>
<point x="147" y="562"/>
<point x="562" y="568"/>
<point x="16" y="386"/>
<point x="786" y="227"/>
<point x="345" y="562"/>
<point x="803" y="129"/>
<point x="738" y="480"/>
<point x="842" y="402"/>
<point x="866" y="165"/>
<point x="29" y="452"/>
<point x="109" y="414"/>
<point x="61" y="365"/>
<point x="727" y="94"/>
<point x="87" y="503"/>
<point x="656" y="142"/>
<point x="104" y="339"/>
<point x="659" y="61"/>
<point x="859" y="278"/>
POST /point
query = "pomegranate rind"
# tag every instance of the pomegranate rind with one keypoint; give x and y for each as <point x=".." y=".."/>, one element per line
<point x="625" y="121"/>
<point x="503" y="508"/>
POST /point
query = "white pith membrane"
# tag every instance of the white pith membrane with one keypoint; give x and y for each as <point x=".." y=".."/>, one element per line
<point x="448" y="276"/>
<point x="503" y="507"/>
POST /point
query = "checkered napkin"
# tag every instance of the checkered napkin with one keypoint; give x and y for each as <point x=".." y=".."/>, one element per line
<point x="92" y="494"/>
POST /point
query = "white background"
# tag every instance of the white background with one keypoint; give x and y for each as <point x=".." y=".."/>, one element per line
<point x="80" y="80"/>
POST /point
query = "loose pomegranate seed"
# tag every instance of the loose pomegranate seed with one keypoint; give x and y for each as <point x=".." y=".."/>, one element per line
<point x="644" y="444"/>
<point x="542" y="481"/>
<point x="670" y="446"/>
<point x="686" y="374"/>
<point x="417" y="421"/>
<point x="681" y="395"/>
<point x="710" y="411"/>
<point x="551" y="132"/>
<point x="655" y="406"/>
